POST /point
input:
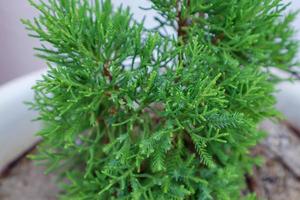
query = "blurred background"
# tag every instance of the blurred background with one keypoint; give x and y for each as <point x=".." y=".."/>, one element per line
<point x="16" y="54"/>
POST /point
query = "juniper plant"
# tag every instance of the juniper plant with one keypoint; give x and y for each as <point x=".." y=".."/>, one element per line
<point x="146" y="114"/>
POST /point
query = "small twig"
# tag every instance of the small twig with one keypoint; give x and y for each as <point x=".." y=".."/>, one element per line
<point x="182" y="22"/>
<point x="115" y="181"/>
<point x="218" y="38"/>
<point x="106" y="71"/>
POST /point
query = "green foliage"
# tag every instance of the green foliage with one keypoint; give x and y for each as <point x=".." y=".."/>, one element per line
<point x="142" y="114"/>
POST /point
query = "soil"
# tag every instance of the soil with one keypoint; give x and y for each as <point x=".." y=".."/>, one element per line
<point x="277" y="179"/>
<point x="26" y="181"/>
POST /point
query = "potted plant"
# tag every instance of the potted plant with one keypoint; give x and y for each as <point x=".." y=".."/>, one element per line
<point x="138" y="113"/>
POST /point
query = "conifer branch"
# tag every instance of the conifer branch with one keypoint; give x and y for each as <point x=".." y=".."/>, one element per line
<point x="132" y="114"/>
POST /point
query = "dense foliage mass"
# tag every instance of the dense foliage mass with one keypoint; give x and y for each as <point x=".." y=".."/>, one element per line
<point x="146" y="114"/>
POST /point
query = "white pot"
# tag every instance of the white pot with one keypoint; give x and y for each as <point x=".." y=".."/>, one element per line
<point x="16" y="126"/>
<point x="288" y="102"/>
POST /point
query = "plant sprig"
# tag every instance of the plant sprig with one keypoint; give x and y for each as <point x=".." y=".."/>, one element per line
<point x="131" y="113"/>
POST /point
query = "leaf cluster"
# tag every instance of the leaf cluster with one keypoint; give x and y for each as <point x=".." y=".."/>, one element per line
<point x="136" y="113"/>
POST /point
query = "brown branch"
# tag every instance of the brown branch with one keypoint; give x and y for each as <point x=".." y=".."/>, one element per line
<point x="218" y="38"/>
<point x="106" y="71"/>
<point x="183" y="23"/>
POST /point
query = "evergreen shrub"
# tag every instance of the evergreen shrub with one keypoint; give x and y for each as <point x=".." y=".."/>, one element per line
<point x="162" y="113"/>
